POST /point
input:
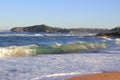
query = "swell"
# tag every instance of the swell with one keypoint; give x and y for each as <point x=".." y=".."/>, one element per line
<point x="31" y="50"/>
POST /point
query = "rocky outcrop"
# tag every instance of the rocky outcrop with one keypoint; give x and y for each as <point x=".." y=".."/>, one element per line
<point x="39" y="28"/>
<point x="48" y="29"/>
<point x="111" y="33"/>
<point x="18" y="29"/>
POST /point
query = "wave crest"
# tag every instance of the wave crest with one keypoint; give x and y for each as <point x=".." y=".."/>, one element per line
<point x="54" y="49"/>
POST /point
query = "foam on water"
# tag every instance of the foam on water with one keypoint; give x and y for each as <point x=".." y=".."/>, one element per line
<point x="20" y="34"/>
<point x="37" y="34"/>
<point x="17" y="51"/>
<point x="53" y="49"/>
<point x="63" y="74"/>
<point x="52" y="64"/>
<point x="117" y="41"/>
<point x="57" y="67"/>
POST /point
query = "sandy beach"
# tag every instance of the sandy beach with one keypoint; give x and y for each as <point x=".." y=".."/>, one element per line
<point x="99" y="76"/>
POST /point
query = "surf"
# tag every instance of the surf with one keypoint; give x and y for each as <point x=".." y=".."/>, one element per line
<point x="31" y="50"/>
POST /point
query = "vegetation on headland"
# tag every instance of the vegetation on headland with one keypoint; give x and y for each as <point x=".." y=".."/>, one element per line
<point x="115" y="32"/>
<point x="49" y="29"/>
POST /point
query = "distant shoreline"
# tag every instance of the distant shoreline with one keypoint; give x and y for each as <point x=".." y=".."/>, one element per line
<point x="49" y="29"/>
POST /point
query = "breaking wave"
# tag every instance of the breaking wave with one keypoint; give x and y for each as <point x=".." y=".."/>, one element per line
<point x="117" y="41"/>
<point x="31" y="50"/>
<point x="22" y="35"/>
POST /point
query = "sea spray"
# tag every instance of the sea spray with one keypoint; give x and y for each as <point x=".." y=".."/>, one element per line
<point x="18" y="50"/>
<point x="31" y="50"/>
<point x="80" y="46"/>
<point x="117" y="41"/>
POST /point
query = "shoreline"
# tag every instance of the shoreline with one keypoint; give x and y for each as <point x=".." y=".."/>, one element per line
<point x="98" y="76"/>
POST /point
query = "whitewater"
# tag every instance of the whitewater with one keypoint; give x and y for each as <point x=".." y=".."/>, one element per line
<point x="31" y="56"/>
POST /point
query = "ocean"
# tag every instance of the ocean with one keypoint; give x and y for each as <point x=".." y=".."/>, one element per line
<point x="48" y="56"/>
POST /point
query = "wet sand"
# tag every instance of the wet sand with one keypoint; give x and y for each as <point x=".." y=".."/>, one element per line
<point x="98" y="76"/>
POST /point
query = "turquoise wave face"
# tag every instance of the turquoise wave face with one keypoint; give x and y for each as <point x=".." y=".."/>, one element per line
<point x="31" y="50"/>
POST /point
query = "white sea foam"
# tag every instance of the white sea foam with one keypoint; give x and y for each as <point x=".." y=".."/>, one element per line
<point x="54" y="49"/>
<point x="21" y="34"/>
<point x="56" y="75"/>
<point x="57" y="67"/>
<point x="62" y="74"/>
<point x="117" y="41"/>
<point x="60" y="34"/>
<point x="17" y="51"/>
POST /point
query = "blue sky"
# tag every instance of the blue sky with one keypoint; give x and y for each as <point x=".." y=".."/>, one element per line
<point x="60" y="13"/>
